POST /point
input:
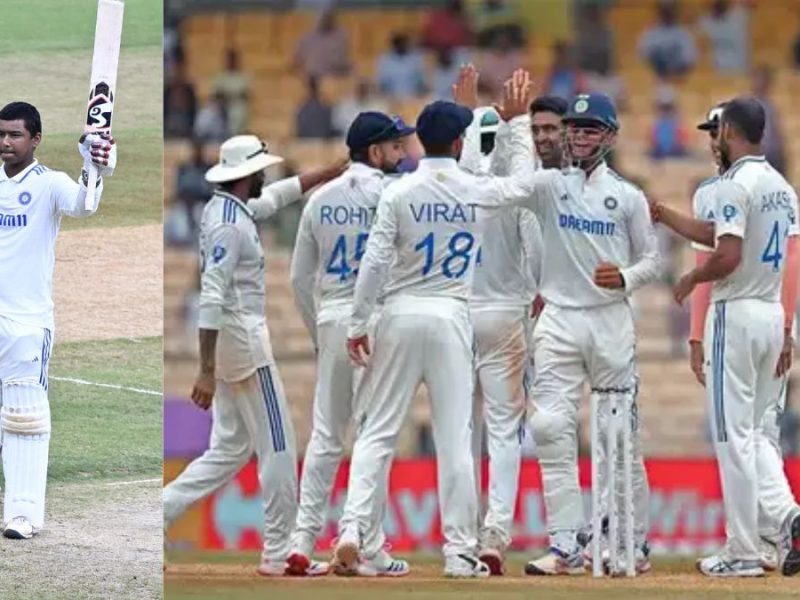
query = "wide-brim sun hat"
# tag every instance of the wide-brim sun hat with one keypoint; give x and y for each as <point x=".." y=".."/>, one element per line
<point x="240" y="156"/>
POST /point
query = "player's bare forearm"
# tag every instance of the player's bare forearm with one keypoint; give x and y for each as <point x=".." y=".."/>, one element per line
<point x="790" y="278"/>
<point x="208" y="349"/>
<point x="315" y="177"/>
<point x="718" y="266"/>
<point x="687" y="226"/>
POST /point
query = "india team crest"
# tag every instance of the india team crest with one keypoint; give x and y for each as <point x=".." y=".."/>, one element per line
<point x="610" y="203"/>
<point x="25" y="198"/>
<point x="581" y="106"/>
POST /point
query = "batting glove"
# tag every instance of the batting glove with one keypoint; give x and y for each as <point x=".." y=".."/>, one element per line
<point x="99" y="149"/>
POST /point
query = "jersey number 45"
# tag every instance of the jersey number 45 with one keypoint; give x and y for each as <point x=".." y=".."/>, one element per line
<point x="338" y="263"/>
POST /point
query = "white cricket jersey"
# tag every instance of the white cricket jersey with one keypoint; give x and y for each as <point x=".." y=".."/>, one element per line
<point x="232" y="295"/>
<point x="586" y="221"/>
<point x="429" y="226"/>
<point x="754" y="202"/>
<point x="331" y="240"/>
<point x="31" y="206"/>
<point x="703" y="204"/>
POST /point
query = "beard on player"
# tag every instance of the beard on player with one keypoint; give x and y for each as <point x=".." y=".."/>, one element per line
<point x="256" y="183"/>
<point x="724" y="154"/>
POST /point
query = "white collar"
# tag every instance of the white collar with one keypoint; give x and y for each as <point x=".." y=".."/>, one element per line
<point x="19" y="176"/>
<point x="360" y="168"/>
<point x="437" y="162"/>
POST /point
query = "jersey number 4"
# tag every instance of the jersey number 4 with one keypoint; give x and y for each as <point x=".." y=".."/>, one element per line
<point x="338" y="263"/>
<point x="457" y="262"/>
<point x="772" y="253"/>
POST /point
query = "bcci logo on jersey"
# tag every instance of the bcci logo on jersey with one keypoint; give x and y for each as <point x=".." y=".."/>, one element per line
<point x="13" y="220"/>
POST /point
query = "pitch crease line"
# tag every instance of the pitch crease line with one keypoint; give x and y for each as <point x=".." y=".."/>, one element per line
<point x="107" y="385"/>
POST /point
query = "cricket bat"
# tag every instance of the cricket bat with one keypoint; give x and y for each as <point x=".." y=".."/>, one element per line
<point x="103" y="82"/>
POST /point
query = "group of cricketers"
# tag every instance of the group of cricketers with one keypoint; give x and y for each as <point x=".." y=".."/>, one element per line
<point x="429" y="277"/>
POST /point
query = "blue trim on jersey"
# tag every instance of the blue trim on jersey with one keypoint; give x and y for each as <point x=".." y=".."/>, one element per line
<point x="46" y="340"/>
<point x="273" y="410"/>
<point x="718" y="370"/>
<point x="229" y="211"/>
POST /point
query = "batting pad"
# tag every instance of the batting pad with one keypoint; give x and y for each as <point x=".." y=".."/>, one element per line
<point x="25" y="421"/>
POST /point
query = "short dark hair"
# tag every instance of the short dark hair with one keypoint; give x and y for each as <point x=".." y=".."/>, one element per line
<point x="24" y="112"/>
<point x="360" y="155"/>
<point x="746" y="115"/>
<point x="438" y="149"/>
<point x="553" y="104"/>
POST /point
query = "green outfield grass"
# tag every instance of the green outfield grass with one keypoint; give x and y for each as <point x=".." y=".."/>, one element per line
<point x="101" y="433"/>
<point x="47" y="62"/>
<point x="211" y="576"/>
<point x="69" y="24"/>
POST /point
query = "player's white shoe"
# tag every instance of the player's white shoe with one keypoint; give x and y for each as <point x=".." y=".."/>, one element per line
<point x="382" y="565"/>
<point x="347" y="552"/>
<point x="492" y="551"/>
<point x="556" y="562"/>
<point x="19" y="528"/>
<point x="465" y="566"/>
<point x="790" y="547"/>
<point x="718" y="565"/>
<point x="769" y="554"/>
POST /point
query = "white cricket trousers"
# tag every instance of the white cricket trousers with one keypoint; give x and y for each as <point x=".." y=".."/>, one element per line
<point x="334" y="403"/>
<point x="249" y="416"/>
<point x="418" y="340"/>
<point x="743" y="340"/>
<point x="24" y="419"/>
<point x="501" y="355"/>
<point x="571" y="346"/>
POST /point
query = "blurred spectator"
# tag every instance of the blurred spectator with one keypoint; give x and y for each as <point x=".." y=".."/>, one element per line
<point x="447" y="28"/>
<point x="594" y="52"/>
<point x="668" y="138"/>
<point x="774" y="148"/>
<point x="180" y="103"/>
<point x="211" y="124"/>
<point x="594" y="44"/>
<point x="192" y="190"/>
<point x="401" y="71"/>
<point x="668" y="47"/>
<point x="172" y="46"/>
<point x="565" y="80"/>
<point x="499" y="62"/>
<point x="728" y="30"/>
<point x="494" y="18"/>
<point x="796" y="52"/>
<point x="323" y="51"/>
<point x="234" y="86"/>
<point x="445" y="72"/>
<point x="314" y="118"/>
<point x="348" y="108"/>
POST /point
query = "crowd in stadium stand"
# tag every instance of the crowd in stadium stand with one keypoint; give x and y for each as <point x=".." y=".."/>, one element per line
<point x="489" y="33"/>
